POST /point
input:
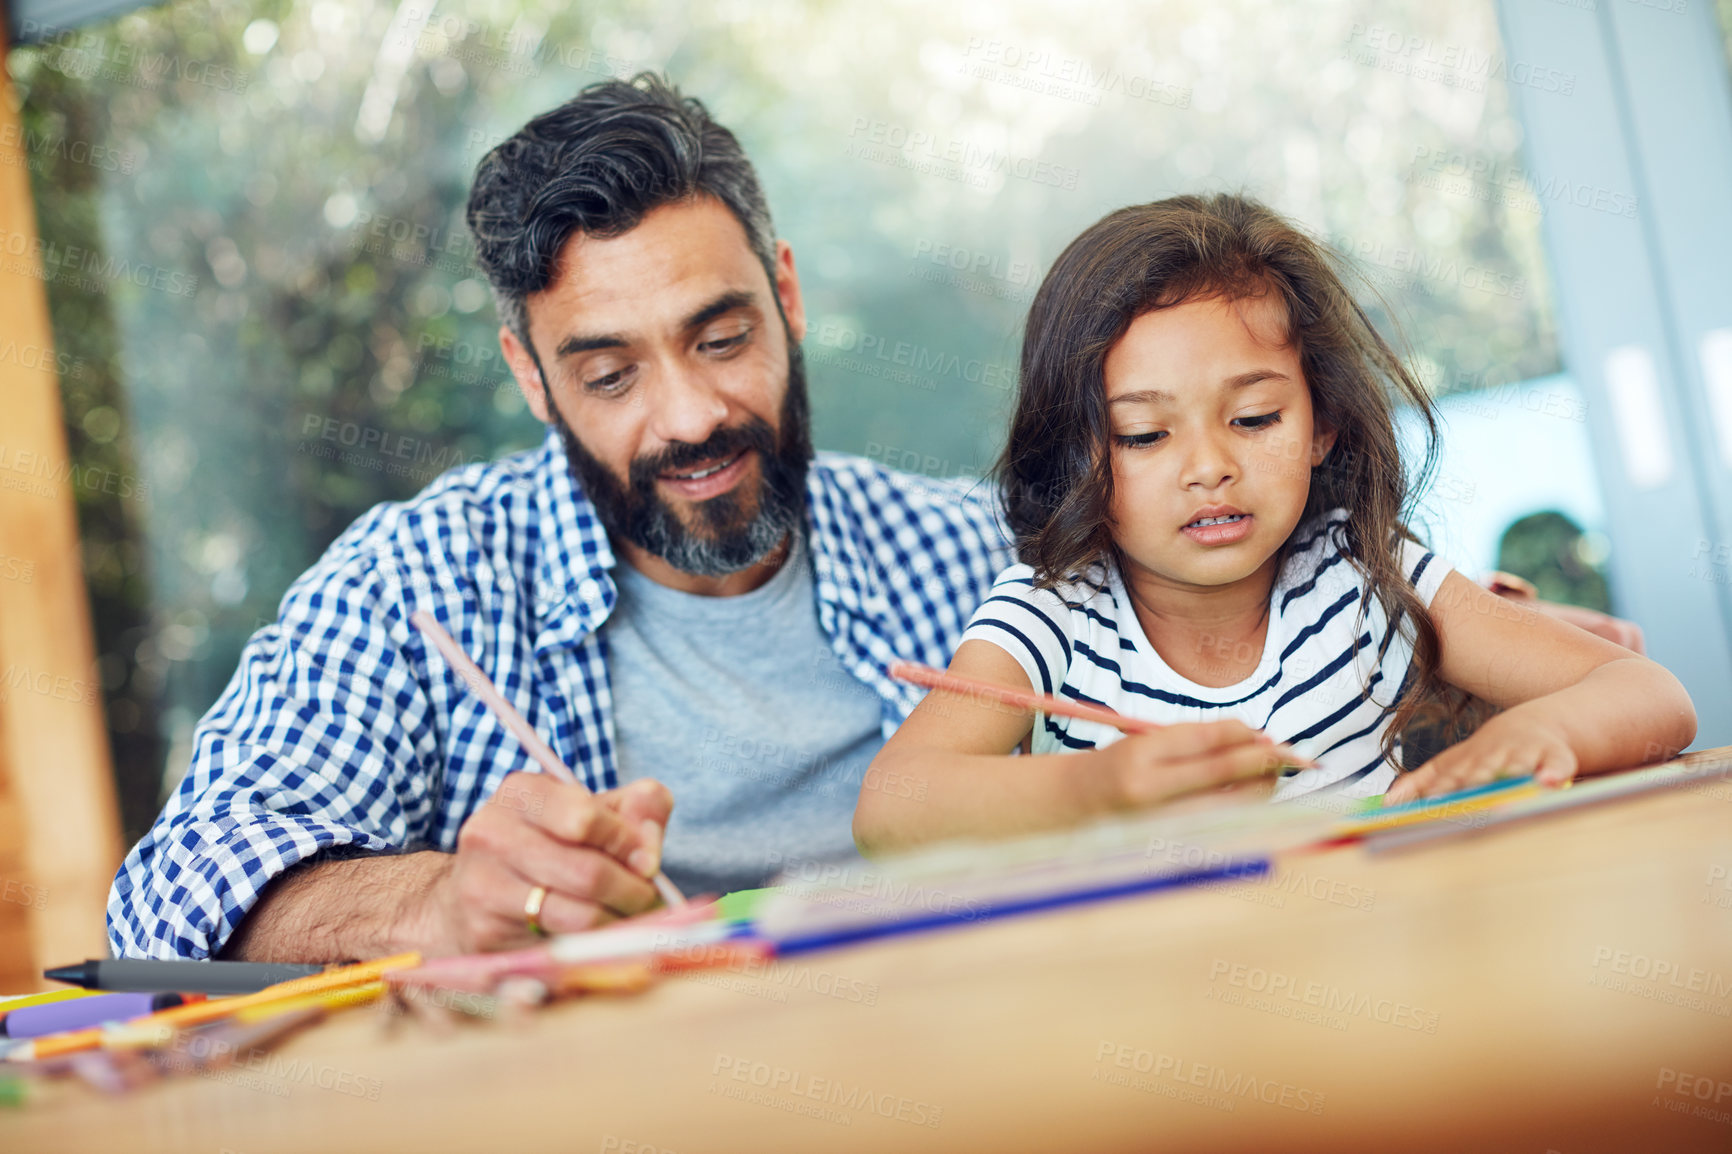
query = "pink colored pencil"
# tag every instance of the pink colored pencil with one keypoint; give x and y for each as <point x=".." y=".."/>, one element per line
<point x="482" y="687"/>
<point x="916" y="674"/>
<point x="639" y="937"/>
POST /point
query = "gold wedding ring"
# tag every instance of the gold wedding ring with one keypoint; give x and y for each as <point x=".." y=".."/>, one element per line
<point x="532" y="910"/>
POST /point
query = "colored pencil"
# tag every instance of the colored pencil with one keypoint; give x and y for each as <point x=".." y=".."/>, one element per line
<point x="1032" y="702"/>
<point x="480" y="972"/>
<point x="1024" y="699"/>
<point x="197" y="1013"/>
<point x="1581" y="794"/>
<point x="21" y="1000"/>
<point x="797" y="923"/>
<point x="80" y="1013"/>
<point x="480" y="685"/>
<point x="1450" y="807"/>
<point x="325" y="1000"/>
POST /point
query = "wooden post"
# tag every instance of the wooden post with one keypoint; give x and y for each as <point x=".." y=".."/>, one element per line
<point x="59" y="831"/>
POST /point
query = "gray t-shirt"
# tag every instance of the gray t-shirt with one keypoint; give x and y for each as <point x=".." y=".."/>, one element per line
<point x="741" y="708"/>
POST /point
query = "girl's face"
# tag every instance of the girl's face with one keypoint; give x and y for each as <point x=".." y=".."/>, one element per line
<point x="1213" y="440"/>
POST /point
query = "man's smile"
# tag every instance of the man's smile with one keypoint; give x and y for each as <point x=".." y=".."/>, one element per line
<point x="709" y="478"/>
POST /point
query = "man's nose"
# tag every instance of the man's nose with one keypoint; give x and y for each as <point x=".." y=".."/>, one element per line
<point x="686" y="407"/>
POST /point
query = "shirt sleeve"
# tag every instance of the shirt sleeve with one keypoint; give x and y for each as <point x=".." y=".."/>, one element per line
<point x="323" y="738"/>
<point x="1425" y="570"/>
<point x="1029" y="624"/>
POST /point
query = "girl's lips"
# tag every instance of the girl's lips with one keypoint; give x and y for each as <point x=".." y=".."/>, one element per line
<point x="715" y="484"/>
<point x="1225" y="533"/>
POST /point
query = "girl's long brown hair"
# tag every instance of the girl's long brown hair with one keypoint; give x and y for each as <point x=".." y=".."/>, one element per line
<point x="1057" y="465"/>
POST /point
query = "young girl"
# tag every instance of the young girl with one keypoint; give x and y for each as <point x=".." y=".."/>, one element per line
<point x="1206" y="489"/>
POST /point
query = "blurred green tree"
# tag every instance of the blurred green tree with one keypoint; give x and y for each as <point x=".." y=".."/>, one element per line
<point x="284" y="327"/>
<point x="1564" y="563"/>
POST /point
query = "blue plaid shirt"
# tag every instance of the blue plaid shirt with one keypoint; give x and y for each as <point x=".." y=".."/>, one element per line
<point x="339" y="730"/>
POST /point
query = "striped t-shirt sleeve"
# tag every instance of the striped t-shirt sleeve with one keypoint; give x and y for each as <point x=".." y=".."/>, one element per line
<point x="1029" y="624"/>
<point x="1425" y="569"/>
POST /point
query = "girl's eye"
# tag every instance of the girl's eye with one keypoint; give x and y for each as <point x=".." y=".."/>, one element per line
<point x="726" y="344"/>
<point x="1140" y="440"/>
<point x="1259" y="422"/>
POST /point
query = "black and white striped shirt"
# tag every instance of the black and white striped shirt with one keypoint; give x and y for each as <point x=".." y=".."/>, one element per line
<point x="1327" y="681"/>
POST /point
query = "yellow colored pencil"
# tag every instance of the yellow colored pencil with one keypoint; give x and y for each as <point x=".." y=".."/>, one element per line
<point x="356" y="975"/>
<point x="328" y="1000"/>
<point x="7" y="1005"/>
<point x="1359" y="827"/>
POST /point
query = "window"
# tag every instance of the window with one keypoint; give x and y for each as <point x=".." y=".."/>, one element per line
<point x="261" y="284"/>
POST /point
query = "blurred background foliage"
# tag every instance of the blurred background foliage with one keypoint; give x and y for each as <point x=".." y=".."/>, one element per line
<point x="312" y="338"/>
<point x="1563" y="562"/>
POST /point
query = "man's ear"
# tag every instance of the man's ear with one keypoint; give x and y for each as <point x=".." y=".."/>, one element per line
<point x="1322" y="440"/>
<point x="528" y="376"/>
<point x="788" y="290"/>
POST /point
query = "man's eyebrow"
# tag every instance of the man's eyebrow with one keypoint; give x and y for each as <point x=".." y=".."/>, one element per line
<point x="721" y="306"/>
<point x="572" y="345"/>
<point x="1161" y="396"/>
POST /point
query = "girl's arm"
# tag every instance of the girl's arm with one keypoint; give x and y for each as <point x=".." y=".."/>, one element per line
<point x="948" y="771"/>
<point x="1574" y="703"/>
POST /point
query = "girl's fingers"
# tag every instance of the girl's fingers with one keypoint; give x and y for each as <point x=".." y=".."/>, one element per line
<point x="1408" y="785"/>
<point x="1555" y="769"/>
<point x="1182" y="742"/>
<point x="1445" y="774"/>
<point x="1461" y="776"/>
<point x="1158" y="783"/>
<point x="1434" y="777"/>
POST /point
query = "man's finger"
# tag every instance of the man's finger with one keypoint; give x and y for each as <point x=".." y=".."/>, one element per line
<point x="490" y="899"/>
<point x="564" y="914"/>
<point x="580" y="872"/>
<point x="645" y="799"/>
<point x="573" y="815"/>
<point x="647" y="804"/>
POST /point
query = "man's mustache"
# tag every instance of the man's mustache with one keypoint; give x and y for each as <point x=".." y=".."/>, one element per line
<point x="724" y="442"/>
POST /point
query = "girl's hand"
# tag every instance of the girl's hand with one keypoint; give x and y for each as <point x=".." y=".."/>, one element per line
<point x="1149" y="768"/>
<point x="1509" y="745"/>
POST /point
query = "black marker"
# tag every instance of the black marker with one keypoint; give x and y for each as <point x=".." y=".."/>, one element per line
<point x="126" y="974"/>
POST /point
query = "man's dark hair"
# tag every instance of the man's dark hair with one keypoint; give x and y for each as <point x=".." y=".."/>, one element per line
<point x="597" y="164"/>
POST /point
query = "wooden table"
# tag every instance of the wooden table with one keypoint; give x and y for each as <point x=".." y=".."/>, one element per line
<point x="1563" y="985"/>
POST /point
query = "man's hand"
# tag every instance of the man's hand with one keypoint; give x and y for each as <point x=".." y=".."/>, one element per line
<point x="1613" y="629"/>
<point x="593" y="852"/>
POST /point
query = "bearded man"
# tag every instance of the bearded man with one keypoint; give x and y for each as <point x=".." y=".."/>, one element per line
<point x="682" y="598"/>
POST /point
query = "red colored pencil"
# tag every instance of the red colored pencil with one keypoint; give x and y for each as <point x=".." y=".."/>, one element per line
<point x="1026" y="699"/>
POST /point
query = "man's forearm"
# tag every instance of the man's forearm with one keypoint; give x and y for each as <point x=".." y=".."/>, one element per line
<point x="338" y="911"/>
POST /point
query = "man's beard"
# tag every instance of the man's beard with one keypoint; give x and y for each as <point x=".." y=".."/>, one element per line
<point x="734" y="531"/>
